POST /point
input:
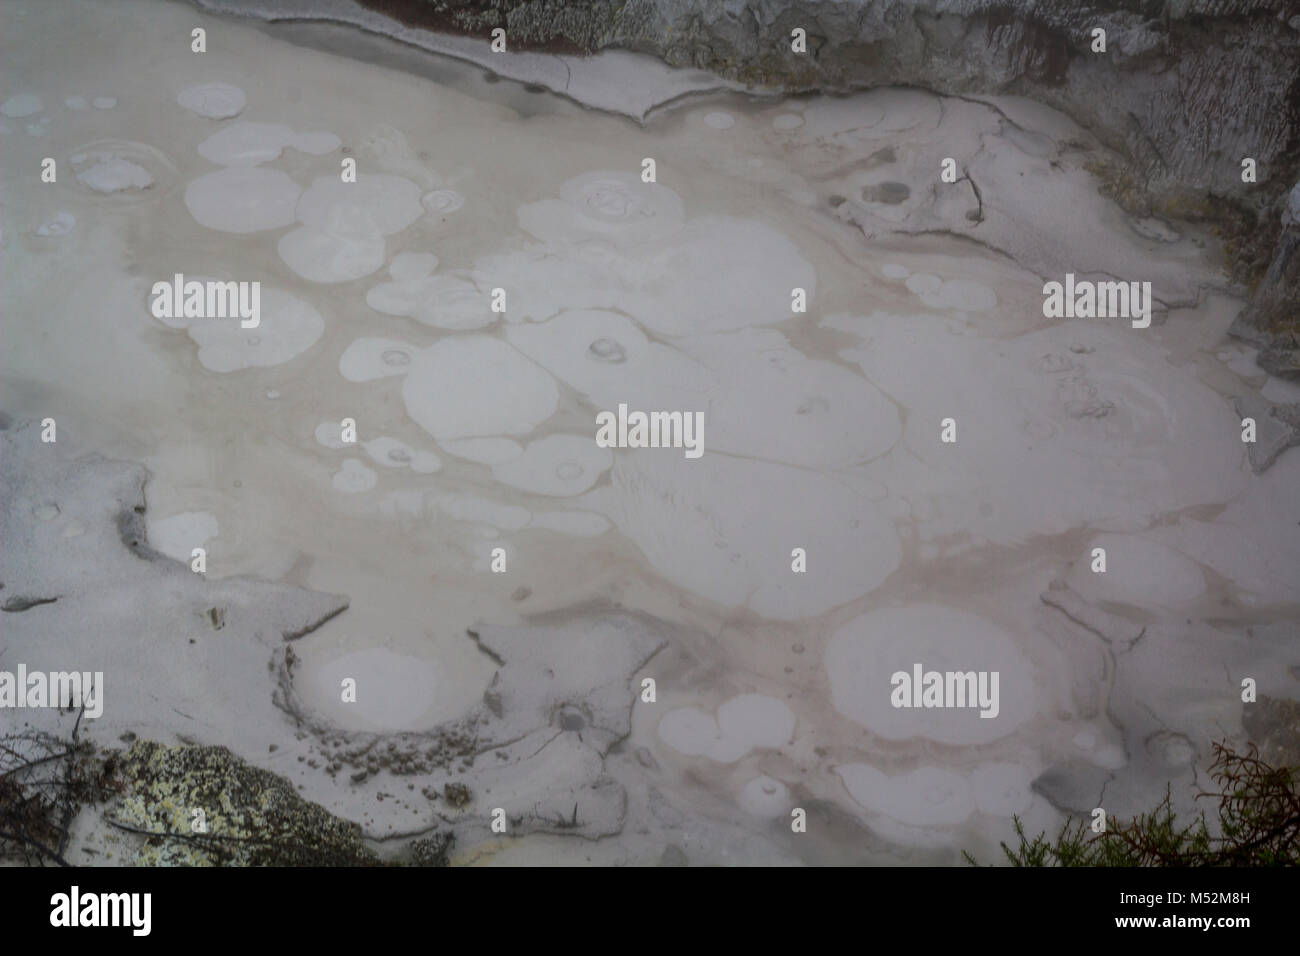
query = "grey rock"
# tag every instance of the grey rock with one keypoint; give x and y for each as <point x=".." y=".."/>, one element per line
<point x="673" y="856"/>
<point x="1074" y="788"/>
<point x="1277" y="428"/>
<point x="1271" y="321"/>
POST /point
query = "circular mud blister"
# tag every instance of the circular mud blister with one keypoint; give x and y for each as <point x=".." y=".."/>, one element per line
<point x="122" y="172"/>
<point x="442" y="201"/>
<point x="213" y="100"/>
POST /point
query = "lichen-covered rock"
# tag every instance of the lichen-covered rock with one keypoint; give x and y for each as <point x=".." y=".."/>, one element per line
<point x="251" y="817"/>
<point x="433" y="850"/>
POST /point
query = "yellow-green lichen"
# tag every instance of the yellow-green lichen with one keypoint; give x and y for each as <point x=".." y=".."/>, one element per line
<point x="250" y="817"/>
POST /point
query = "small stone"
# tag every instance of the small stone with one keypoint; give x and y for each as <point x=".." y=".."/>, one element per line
<point x="457" y="794"/>
<point x="673" y="856"/>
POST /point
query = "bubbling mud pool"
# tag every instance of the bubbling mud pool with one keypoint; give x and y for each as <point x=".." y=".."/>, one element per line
<point x="412" y="427"/>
